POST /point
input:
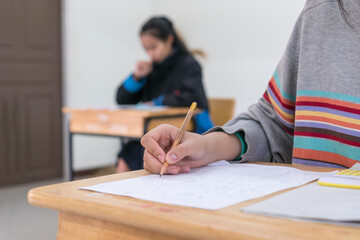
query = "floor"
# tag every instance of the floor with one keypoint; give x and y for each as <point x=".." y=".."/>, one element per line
<point x="19" y="220"/>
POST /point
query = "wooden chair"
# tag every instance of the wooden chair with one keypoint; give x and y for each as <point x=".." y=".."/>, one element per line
<point x="221" y="110"/>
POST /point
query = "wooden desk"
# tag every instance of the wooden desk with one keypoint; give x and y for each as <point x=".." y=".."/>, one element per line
<point x="90" y="215"/>
<point x="120" y="122"/>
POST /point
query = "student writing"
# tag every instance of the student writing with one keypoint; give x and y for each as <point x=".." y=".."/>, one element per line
<point x="309" y="113"/>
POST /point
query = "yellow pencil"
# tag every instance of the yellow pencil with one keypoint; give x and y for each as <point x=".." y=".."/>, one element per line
<point x="179" y="135"/>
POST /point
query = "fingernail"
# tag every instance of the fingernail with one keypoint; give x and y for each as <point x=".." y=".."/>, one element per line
<point x="172" y="170"/>
<point x="184" y="169"/>
<point x="161" y="158"/>
<point x="172" y="158"/>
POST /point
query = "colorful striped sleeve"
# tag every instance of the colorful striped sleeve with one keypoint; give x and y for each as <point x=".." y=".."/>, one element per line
<point x="282" y="102"/>
<point x="327" y="129"/>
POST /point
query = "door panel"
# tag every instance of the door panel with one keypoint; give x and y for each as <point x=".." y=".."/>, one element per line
<point x="37" y="135"/>
<point x="25" y="72"/>
<point x="30" y="90"/>
<point x="6" y="30"/>
<point x="4" y="130"/>
<point x="37" y="23"/>
<point x="9" y="155"/>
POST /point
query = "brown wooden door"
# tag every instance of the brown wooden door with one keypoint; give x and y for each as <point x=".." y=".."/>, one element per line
<point x="30" y="90"/>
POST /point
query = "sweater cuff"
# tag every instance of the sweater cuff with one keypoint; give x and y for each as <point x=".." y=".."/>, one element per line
<point x="243" y="145"/>
<point x="133" y="86"/>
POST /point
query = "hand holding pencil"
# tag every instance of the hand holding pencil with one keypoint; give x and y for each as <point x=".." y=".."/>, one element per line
<point x="179" y="135"/>
<point x="182" y="150"/>
<point x="170" y="150"/>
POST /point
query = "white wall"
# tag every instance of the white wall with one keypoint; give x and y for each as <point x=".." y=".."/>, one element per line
<point x="243" y="40"/>
<point x="101" y="46"/>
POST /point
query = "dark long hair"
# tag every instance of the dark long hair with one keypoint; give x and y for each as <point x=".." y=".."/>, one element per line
<point x="161" y="28"/>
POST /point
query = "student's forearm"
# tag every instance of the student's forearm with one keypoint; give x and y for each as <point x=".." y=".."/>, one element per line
<point x="222" y="146"/>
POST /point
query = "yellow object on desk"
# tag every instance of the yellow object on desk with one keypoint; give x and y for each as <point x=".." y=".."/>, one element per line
<point x="348" y="178"/>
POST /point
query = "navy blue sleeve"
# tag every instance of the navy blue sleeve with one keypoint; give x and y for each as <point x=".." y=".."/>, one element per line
<point x="130" y="91"/>
<point x="191" y="89"/>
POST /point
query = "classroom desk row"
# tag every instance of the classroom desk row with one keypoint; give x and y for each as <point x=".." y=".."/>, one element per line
<point x="121" y="122"/>
<point x="91" y="215"/>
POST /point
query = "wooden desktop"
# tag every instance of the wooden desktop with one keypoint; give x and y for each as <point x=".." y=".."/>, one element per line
<point x="90" y="215"/>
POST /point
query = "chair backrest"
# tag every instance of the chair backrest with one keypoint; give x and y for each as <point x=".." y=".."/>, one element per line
<point x="221" y="110"/>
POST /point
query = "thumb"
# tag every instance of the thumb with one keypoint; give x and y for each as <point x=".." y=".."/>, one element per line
<point x="179" y="152"/>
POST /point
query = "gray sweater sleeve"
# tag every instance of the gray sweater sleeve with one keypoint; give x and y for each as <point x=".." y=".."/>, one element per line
<point x="265" y="135"/>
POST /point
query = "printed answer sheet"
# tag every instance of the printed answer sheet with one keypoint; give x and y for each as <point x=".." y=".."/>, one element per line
<point x="313" y="202"/>
<point x="211" y="187"/>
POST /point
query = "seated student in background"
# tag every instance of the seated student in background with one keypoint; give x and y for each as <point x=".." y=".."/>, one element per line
<point x="309" y="113"/>
<point x="172" y="77"/>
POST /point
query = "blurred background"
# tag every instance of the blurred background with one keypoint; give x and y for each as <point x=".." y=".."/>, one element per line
<point x="74" y="53"/>
<point x="243" y="41"/>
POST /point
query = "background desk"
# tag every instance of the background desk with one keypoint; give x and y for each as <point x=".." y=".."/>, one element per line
<point x="91" y="215"/>
<point x="119" y="122"/>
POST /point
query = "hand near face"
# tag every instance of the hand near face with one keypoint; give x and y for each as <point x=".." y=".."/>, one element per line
<point x="142" y="69"/>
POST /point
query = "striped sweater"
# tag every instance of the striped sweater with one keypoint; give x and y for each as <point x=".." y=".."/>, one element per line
<point x="310" y="111"/>
<point x="325" y="128"/>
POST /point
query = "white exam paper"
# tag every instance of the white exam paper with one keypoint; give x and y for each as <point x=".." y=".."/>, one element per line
<point x="211" y="187"/>
<point x="312" y="202"/>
